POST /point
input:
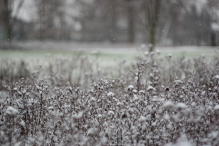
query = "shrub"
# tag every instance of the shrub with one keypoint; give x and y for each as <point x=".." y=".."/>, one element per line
<point x="150" y="103"/>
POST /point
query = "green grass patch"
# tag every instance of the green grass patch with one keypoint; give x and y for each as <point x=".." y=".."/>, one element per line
<point x="105" y="54"/>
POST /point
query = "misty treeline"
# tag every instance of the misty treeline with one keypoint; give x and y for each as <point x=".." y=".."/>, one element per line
<point x="166" y="22"/>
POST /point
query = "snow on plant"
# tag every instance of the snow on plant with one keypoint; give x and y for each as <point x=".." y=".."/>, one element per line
<point x="149" y="103"/>
<point x="11" y="111"/>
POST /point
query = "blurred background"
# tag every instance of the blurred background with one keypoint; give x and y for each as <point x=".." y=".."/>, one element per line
<point x="161" y="22"/>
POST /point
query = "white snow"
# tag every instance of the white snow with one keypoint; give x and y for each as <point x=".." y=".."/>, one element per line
<point x="142" y="92"/>
<point x="110" y="94"/>
<point x="150" y="88"/>
<point x="18" y="144"/>
<point x="146" y="53"/>
<point x="166" y="117"/>
<point x="79" y="115"/>
<point x="214" y="134"/>
<point x="142" y="119"/>
<point x="177" y="82"/>
<point x="135" y="91"/>
<point x="183" y="141"/>
<point x="22" y="123"/>
<point x="168" y="104"/>
<point x="93" y="99"/>
<point x="216" y="107"/>
<point x="91" y="131"/>
<point x="181" y="106"/>
<point x="216" y="77"/>
<point x="120" y="104"/>
<point x="111" y="113"/>
<point x="135" y="97"/>
<point x="11" y="111"/>
<point x="130" y="87"/>
<point x="99" y="116"/>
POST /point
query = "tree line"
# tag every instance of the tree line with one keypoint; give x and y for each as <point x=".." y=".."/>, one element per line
<point x="167" y="22"/>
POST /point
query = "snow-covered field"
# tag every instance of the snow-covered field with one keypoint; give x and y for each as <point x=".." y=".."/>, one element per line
<point x="109" y="54"/>
<point x="95" y="97"/>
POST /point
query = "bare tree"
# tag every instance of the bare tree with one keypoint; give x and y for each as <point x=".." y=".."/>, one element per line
<point x="213" y="6"/>
<point x="151" y="11"/>
<point x="51" y="22"/>
<point x="6" y="16"/>
<point x="131" y="20"/>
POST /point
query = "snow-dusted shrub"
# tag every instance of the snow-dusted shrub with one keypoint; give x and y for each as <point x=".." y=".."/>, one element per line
<point x="150" y="103"/>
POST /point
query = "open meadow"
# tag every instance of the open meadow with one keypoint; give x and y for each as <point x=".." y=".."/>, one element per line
<point x="110" y="96"/>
